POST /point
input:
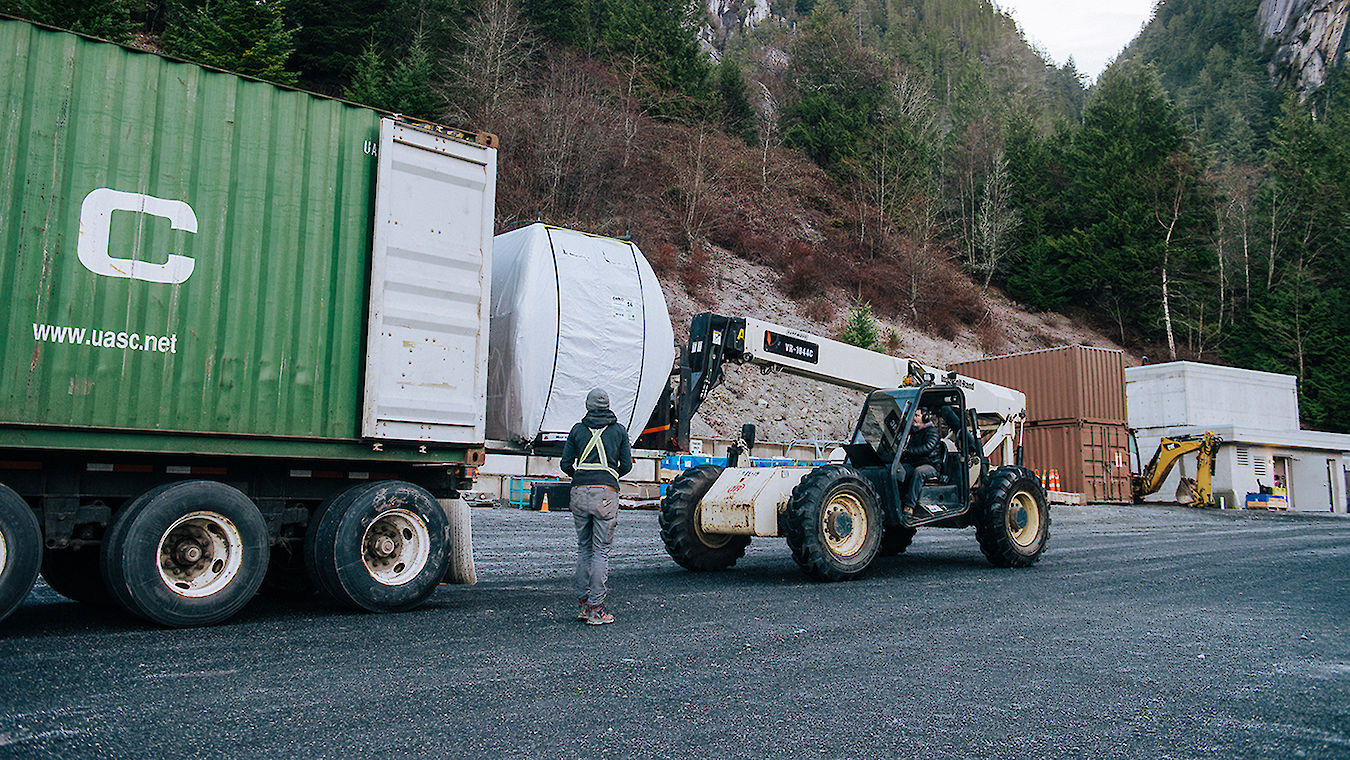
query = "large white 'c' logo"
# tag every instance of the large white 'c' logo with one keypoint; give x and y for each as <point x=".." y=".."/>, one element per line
<point x="96" y="222"/>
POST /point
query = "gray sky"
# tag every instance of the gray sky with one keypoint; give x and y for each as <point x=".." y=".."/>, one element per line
<point x="1093" y="32"/>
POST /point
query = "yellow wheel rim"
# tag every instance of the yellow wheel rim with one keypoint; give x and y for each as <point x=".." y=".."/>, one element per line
<point x="843" y="521"/>
<point x="1023" y="519"/>
<point x="710" y="540"/>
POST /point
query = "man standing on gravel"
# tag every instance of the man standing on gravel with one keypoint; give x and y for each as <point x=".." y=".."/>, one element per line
<point x="604" y="457"/>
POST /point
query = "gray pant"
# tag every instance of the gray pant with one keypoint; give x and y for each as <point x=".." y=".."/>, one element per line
<point x="914" y="478"/>
<point x="595" y="510"/>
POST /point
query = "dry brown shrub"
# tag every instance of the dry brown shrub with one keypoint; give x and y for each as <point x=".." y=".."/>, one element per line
<point x="892" y="342"/>
<point x="665" y="259"/>
<point x="820" y="310"/>
<point x="805" y="272"/>
<point x="988" y="336"/>
<point x="696" y="274"/>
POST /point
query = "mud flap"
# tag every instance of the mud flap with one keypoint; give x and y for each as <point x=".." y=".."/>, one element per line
<point x="459" y="569"/>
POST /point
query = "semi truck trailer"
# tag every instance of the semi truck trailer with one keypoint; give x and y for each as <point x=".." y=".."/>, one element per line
<point x="244" y="341"/>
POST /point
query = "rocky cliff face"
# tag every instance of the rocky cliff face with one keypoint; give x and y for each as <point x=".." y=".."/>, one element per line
<point x="726" y="17"/>
<point x="1310" y="38"/>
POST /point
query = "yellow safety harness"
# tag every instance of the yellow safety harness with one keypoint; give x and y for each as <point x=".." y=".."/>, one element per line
<point x="598" y="447"/>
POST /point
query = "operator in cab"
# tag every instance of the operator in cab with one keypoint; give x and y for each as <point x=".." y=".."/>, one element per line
<point x="921" y="458"/>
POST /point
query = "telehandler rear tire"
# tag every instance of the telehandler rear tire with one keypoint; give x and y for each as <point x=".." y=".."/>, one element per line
<point x="834" y="524"/>
<point x="1013" y="522"/>
<point x="685" y="541"/>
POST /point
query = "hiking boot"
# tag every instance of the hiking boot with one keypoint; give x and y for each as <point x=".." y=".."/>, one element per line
<point x="583" y="609"/>
<point x="598" y="616"/>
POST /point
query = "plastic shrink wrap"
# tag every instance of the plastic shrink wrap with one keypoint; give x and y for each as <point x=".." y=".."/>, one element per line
<point x="571" y="312"/>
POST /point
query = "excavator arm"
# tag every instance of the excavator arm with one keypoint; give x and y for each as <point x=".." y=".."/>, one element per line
<point x="1170" y="451"/>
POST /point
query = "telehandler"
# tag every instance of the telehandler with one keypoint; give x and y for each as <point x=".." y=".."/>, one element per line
<point x="837" y="518"/>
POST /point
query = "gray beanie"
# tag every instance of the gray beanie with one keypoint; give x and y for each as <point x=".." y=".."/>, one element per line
<point x="597" y="400"/>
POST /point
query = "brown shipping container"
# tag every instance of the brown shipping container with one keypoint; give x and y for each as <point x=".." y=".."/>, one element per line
<point x="1069" y="384"/>
<point x="1092" y="459"/>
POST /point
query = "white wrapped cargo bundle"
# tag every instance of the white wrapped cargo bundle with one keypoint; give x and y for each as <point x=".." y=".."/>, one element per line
<point x="572" y="312"/>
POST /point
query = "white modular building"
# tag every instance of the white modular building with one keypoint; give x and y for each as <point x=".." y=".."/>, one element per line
<point x="1256" y="414"/>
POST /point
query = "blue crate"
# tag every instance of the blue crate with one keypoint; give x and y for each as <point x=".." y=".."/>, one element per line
<point x="518" y="490"/>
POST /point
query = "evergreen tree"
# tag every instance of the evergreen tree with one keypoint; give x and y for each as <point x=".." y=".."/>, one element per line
<point x="737" y="114"/>
<point x="1135" y="210"/>
<point x="330" y="37"/>
<point x="405" y="89"/>
<point x="369" y="79"/>
<point x="860" y="329"/>
<point x="244" y="36"/>
<point x="408" y="90"/>
<point x="838" y="88"/>
<point x="108" y="19"/>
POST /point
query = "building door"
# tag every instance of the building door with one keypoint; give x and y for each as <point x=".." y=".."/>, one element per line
<point x="1331" y="484"/>
<point x="1283" y="467"/>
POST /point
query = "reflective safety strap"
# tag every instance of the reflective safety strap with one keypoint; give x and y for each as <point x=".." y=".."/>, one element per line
<point x="598" y="447"/>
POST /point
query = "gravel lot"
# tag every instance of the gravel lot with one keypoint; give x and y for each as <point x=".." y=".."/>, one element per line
<point x="1146" y="632"/>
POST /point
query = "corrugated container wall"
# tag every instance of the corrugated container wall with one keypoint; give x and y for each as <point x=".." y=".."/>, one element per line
<point x="1092" y="459"/>
<point x="1069" y="384"/>
<point x="183" y="249"/>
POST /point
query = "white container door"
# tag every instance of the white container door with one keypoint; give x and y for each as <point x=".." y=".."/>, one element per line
<point x="426" y="349"/>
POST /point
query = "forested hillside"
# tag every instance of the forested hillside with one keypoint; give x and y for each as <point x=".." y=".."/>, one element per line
<point x="915" y="153"/>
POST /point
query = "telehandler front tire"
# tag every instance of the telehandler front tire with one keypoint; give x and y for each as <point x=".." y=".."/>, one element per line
<point x="1013" y="523"/>
<point x="896" y="540"/>
<point x="834" y="524"/>
<point x="685" y="541"/>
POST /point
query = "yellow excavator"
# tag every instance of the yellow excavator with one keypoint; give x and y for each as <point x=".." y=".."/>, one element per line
<point x="1197" y="492"/>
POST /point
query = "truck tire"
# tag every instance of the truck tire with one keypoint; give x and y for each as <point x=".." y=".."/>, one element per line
<point x="20" y="550"/>
<point x="1013" y="522"/>
<point x="76" y="574"/>
<point x="379" y="547"/>
<point x="185" y="554"/>
<point x="685" y="541"/>
<point x="895" y="540"/>
<point x="834" y="524"/>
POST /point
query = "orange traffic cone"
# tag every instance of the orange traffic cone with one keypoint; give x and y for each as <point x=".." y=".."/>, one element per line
<point x="1054" y="480"/>
<point x="544" y="507"/>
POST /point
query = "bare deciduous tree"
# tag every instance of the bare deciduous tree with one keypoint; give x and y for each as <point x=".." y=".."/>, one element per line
<point x="995" y="219"/>
<point x="699" y="188"/>
<point x="495" y="57"/>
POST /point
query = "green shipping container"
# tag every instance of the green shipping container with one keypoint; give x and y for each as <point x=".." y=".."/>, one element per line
<point x="196" y="261"/>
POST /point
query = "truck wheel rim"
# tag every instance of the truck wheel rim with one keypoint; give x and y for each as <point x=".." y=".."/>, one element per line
<point x="844" y="523"/>
<point x="200" y="554"/>
<point x="710" y="540"/>
<point x="4" y="552"/>
<point x="396" y="547"/>
<point x="1023" y="519"/>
